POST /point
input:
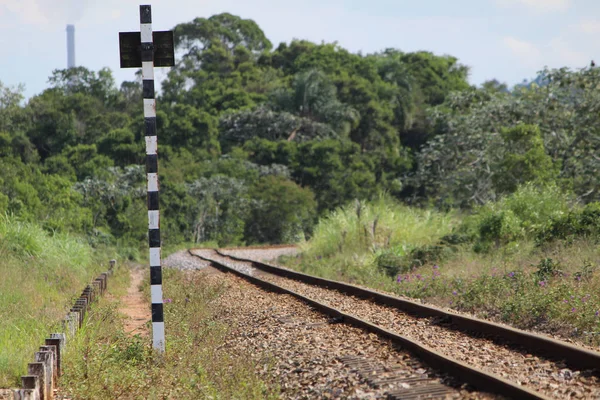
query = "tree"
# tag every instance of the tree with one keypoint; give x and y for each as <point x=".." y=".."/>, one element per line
<point x="220" y="211"/>
<point x="494" y="86"/>
<point x="81" y="80"/>
<point x="192" y="128"/>
<point x="522" y="159"/>
<point x="281" y="211"/>
<point x="313" y="96"/>
<point x="436" y="76"/>
<point x="223" y="30"/>
<point x="457" y="166"/>
<point x="241" y="126"/>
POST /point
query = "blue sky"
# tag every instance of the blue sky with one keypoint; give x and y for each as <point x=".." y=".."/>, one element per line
<point x="508" y="40"/>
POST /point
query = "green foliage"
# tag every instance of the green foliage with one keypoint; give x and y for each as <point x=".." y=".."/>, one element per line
<point x="103" y="361"/>
<point x="222" y="205"/>
<point x="458" y="165"/>
<point x="436" y="76"/>
<point x="549" y="289"/>
<point x="341" y="125"/>
<point x="391" y="263"/>
<point x="116" y="201"/>
<point x="518" y="216"/>
<point x="192" y="128"/>
<point x="377" y="226"/>
<point x="314" y="96"/>
<point x="523" y="159"/>
<point x="394" y="263"/>
<point x="49" y="200"/>
<point x="578" y="222"/>
<point x="263" y="123"/>
<point x="282" y="211"/>
<point x="226" y="30"/>
<point x="41" y="274"/>
<point x="547" y="268"/>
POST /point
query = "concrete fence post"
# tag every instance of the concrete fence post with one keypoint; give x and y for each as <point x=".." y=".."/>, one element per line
<point x="56" y="343"/>
<point x="43" y="374"/>
<point x="30" y="388"/>
<point x="76" y="312"/>
<point x="98" y="286"/>
<point x="104" y="277"/>
<point x="38" y="369"/>
<point x="25" y="394"/>
<point x="53" y="361"/>
<point x="46" y="358"/>
<point x="63" y="340"/>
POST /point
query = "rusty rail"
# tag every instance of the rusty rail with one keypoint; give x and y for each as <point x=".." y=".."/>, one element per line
<point x="477" y="378"/>
<point x="42" y="374"/>
<point x="576" y="357"/>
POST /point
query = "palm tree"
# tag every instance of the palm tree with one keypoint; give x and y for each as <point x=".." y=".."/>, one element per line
<point x="314" y="96"/>
<point x="394" y="71"/>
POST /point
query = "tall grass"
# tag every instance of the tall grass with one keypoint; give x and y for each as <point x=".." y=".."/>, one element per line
<point x="493" y="264"/>
<point x="41" y="274"/>
<point x="347" y="242"/>
<point x="382" y="223"/>
<point x="102" y="362"/>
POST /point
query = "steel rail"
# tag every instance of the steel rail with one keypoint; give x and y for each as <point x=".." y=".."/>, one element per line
<point x="483" y="381"/>
<point x="575" y="357"/>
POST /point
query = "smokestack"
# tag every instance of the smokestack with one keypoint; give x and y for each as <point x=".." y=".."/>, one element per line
<point x="70" y="46"/>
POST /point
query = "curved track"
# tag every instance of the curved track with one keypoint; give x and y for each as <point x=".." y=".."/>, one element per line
<point x="275" y="278"/>
<point x="575" y="357"/>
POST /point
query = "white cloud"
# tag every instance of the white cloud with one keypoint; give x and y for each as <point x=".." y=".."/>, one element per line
<point x="527" y="53"/>
<point x="589" y="26"/>
<point x="560" y="51"/>
<point x="564" y="53"/>
<point x="537" y="5"/>
<point x="27" y="11"/>
<point x="115" y="14"/>
<point x="45" y="12"/>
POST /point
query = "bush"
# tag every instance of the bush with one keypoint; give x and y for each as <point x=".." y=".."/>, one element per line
<point x="517" y="216"/>
<point x="281" y="211"/>
<point x="584" y="222"/>
<point x="547" y="268"/>
<point x="429" y="254"/>
<point x="378" y="225"/>
<point x="523" y="159"/>
<point x="391" y="263"/>
<point x="455" y="238"/>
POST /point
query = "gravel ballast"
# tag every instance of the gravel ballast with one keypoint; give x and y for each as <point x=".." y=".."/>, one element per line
<point x="552" y="379"/>
<point x="306" y="353"/>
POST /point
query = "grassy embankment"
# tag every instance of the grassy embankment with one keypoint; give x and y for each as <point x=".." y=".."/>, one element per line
<point x="41" y="275"/>
<point x="104" y="362"/>
<point x="530" y="260"/>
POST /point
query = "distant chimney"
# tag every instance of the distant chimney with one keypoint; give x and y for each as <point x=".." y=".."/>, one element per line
<point x="70" y="46"/>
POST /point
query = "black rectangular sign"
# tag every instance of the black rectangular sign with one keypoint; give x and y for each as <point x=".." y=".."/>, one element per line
<point x="130" y="46"/>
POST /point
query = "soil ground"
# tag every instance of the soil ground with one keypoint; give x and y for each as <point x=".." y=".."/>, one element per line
<point x="134" y="306"/>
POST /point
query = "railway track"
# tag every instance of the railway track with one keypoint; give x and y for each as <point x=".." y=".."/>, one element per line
<point x="488" y="356"/>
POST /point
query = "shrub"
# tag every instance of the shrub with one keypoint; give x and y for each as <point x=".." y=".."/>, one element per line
<point x="517" y="216"/>
<point x="523" y="159"/>
<point x="281" y="211"/>
<point x="547" y="268"/>
<point x="391" y="263"/>
<point x="583" y="222"/>
<point x="373" y="226"/>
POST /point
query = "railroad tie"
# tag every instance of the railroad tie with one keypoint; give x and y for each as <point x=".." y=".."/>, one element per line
<point x="402" y="383"/>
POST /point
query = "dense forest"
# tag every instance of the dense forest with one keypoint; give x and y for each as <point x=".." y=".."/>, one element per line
<point x="256" y="141"/>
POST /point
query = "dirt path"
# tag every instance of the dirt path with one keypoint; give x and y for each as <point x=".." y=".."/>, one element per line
<point x="134" y="306"/>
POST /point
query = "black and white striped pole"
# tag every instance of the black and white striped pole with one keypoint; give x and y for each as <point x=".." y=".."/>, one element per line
<point x="147" y="49"/>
